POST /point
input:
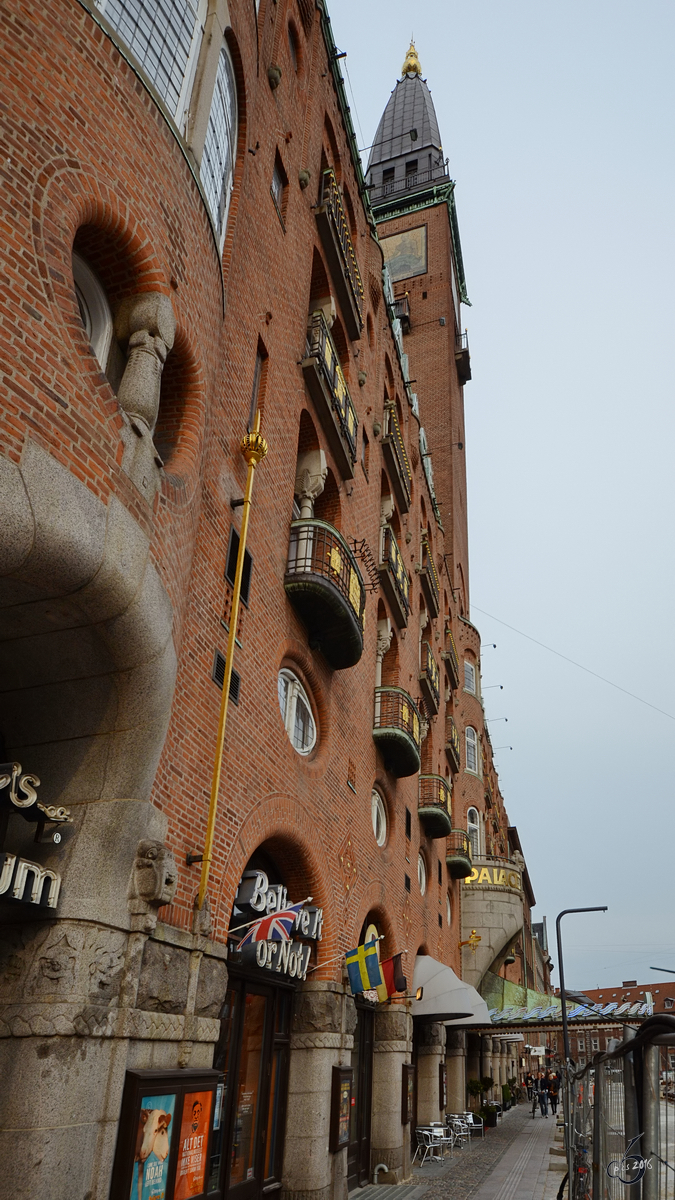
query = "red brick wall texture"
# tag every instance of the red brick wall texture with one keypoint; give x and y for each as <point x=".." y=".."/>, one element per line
<point x="89" y="158"/>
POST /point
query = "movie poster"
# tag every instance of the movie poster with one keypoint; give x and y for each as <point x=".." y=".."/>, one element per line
<point x="153" y="1141"/>
<point x="193" y="1145"/>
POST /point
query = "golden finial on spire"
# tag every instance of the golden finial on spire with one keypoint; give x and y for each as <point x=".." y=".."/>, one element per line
<point x="411" y="66"/>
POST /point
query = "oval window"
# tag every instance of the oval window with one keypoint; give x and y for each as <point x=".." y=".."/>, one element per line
<point x="296" y="712"/>
<point x="379" y="813"/>
<point x="422" y="873"/>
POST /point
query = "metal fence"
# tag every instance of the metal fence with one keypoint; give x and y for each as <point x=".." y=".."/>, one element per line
<point x="620" y="1121"/>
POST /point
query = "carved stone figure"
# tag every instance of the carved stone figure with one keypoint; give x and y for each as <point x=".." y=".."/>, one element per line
<point x="146" y="326"/>
<point x="153" y="878"/>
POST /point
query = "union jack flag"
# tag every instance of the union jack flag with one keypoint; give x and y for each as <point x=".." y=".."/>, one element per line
<point x="277" y="926"/>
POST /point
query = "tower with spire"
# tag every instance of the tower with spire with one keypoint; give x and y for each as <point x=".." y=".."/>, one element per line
<point x="413" y="200"/>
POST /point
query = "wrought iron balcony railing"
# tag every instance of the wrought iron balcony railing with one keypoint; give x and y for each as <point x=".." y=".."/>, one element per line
<point x="462" y="357"/>
<point x="412" y="180"/>
<point x="396" y="459"/>
<point x="449" y="656"/>
<point x="401" y="311"/>
<point x="326" y="382"/>
<point x="397" y="730"/>
<point x="429" y="578"/>
<point x="452" y="749"/>
<point x="430" y="678"/>
<point x="434" y="806"/>
<point x="339" y="248"/>
<point x="394" y="577"/>
<point x="325" y="586"/>
<point x="458" y="854"/>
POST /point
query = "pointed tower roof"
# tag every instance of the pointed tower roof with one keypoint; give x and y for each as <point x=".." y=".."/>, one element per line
<point x="408" y="128"/>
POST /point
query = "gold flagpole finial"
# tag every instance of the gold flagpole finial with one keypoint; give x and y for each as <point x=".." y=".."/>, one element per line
<point x="411" y="65"/>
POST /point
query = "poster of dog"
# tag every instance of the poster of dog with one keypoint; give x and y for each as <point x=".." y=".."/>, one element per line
<point x="153" y="1141"/>
<point x="193" y="1145"/>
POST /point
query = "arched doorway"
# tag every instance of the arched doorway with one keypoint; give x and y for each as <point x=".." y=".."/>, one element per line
<point x="272" y="941"/>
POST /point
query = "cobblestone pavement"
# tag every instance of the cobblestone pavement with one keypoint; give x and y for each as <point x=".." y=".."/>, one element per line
<point x="510" y="1163"/>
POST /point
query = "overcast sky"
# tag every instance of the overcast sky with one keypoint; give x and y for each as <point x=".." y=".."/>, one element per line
<point x="557" y="120"/>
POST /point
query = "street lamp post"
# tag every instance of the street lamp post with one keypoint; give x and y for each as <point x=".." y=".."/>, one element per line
<point x="566" y="1038"/>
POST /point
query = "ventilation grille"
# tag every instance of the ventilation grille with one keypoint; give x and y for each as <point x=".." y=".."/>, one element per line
<point x="218" y="676"/>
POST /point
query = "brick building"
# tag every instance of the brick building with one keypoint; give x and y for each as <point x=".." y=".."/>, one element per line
<point x="188" y="241"/>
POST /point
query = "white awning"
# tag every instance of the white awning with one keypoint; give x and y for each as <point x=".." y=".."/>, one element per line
<point x="444" y="996"/>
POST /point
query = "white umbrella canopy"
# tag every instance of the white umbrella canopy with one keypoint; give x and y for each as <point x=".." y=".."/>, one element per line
<point x="444" y="997"/>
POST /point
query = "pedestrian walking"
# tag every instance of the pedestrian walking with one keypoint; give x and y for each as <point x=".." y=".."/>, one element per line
<point x="529" y="1084"/>
<point x="542" y="1094"/>
<point x="553" y="1091"/>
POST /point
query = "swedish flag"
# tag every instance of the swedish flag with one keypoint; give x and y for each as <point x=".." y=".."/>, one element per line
<point x="364" y="968"/>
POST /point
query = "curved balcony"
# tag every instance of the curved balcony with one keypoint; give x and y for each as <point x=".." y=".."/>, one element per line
<point x="396" y="459"/>
<point x="396" y="730"/>
<point x="449" y="656"/>
<point x="433" y="807"/>
<point x="452" y="750"/>
<point x="324" y="585"/>
<point x="328" y="388"/>
<point x="429" y="678"/>
<point x="394" y="578"/>
<point x="339" y="249"/>
<point x="429" y="578"/>
<point x="458" y="854"/>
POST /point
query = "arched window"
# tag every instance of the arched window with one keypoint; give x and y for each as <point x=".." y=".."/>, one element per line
<point x="94" y="309"/>
<point x="473" y="830"/>
<point x="220" y="146"/>
<point x="471" y="740"/>
<point x="379" y="814"/>
<point x="296" y="711"/>
<point x="422" y="873"/>
<point x="469" y="677"/>
<point x="164" y="37"/>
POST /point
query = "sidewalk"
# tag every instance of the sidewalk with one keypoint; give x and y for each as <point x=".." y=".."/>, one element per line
<point x="510" y="1163"/>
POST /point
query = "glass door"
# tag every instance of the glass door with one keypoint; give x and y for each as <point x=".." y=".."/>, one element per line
<point x="358" y="1151"/>
<point x="253" y="1055"/>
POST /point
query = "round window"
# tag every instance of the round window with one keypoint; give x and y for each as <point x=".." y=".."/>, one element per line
<point x="296" y="712"/>
<point x="372" y="935"/>
<point x="379" y="818"/>
<point x="422" y="873"/>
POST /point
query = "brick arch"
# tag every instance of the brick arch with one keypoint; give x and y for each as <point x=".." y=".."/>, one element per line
<point x="282" y="826"/>
<point x="373" y="907"/>
<point x="179" y="432"/>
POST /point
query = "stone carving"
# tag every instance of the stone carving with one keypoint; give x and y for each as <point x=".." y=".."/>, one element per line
<point x="310" y="478"/>
<point x="348" y="864"/>
<point x="153" y="878"/>
<point x="105" y="951"/>
<point x="163" y="984"/>
<point x="146" y="326"/>
<point x="316" y="1041"/>
<point x="317" y="1012"/>
<point x="54" y="968"/>
<point x="211" y="987"/>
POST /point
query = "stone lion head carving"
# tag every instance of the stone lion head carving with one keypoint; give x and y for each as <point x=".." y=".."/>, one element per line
<point x="153" y="877"/>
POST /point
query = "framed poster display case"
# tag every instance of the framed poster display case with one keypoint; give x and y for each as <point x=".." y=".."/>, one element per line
<point x="408" y="1094"/>
<point x="164" y="1137"/>
<point x="340" y="1108"/>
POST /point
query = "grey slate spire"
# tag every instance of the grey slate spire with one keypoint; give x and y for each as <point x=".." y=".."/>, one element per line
<point x="407" y="151"/>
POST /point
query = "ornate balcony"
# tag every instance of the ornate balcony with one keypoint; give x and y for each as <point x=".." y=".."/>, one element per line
<point x="429" y="678"/>
<point x="434" y="806"/>
<point x="396" y="730"/>
<point x="452" y="750"/>
<point x="462" y="358"/>
<point x="324" y="585"/>
<point x="394" y="578"/>
<point x="339" y="250"/>
<point x="429" y="579"/>
<point x="396" y="459"/>
<point x="449" y="656"/>
<point x="401" y="312"/>
<point x="488" y="793"/>
<point x="458" y="854"/>
<point x="328" y="389"/>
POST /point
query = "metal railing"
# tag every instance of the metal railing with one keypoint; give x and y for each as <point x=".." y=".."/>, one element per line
<point x="620" y="1118"/>
<point x="392" y="557"/>
<point x="316" y="548"/>
<point x="461" y="342"/>
<point x="434" y="793"/>
<point x="412" y="180"/>
<point x="450" y="655"/>
<point x="429" y="565"/>
<point x="331" y="198"/>
<point x="393" y="432"/>
<point x="430" y="669"/>
<point x="452" y="738"/>
<point x="320" y="345"/>
<point x="395" y="709"/>
<point x="401" y="311"/>
<point x="459" y="843"/>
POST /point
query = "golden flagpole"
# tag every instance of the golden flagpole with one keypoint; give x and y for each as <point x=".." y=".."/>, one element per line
<point x="254" y="448"/>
